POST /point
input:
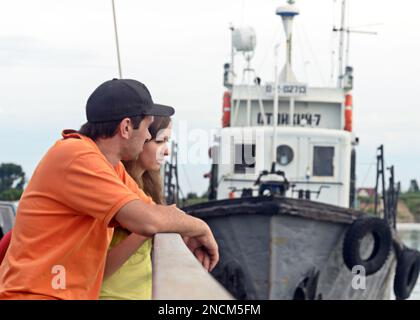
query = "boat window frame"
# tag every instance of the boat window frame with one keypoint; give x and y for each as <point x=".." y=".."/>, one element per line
<point x="336" y="146"/>
<point x="285" y="145"/>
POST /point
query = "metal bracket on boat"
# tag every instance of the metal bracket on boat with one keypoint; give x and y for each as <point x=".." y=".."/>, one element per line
<point x="306" y="194"/>
<point x="245" y="192"/>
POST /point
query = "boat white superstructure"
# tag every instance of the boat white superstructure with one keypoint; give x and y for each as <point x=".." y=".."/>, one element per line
<point x="286" y="125"/>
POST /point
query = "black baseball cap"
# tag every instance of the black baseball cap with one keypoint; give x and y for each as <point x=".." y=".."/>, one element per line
<point x="117" y="99"/>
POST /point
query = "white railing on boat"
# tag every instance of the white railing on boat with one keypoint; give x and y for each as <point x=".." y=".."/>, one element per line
<point x="177" y="274"/>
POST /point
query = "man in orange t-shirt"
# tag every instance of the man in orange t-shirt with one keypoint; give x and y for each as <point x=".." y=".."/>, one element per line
<point x="80" y="191"/>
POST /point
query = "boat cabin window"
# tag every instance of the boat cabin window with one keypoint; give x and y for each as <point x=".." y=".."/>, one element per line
<point x="284" y="155"/>
<point x="323" y="162"/>
<point x="244" y="158"/>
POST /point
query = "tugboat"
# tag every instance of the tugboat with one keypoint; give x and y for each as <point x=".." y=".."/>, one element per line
<point x="282" y="190"/>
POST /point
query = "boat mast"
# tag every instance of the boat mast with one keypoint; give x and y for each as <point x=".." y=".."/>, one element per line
<point x="287" y="13"/>
<point x="341" y="45"/>
<point x="275" y="106"/>
<point x="116" y="40"/>
<point x="232" y="56"/>
<point x="344" y="77"/>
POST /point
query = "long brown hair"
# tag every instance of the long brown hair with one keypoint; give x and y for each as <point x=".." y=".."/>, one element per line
<point x="149" y="181"/>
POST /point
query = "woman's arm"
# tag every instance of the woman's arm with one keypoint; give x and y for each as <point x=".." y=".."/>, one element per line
<point x="120" y="253"/>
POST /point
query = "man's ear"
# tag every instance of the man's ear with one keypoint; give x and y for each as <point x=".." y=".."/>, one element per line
<point x="125" y="128"/>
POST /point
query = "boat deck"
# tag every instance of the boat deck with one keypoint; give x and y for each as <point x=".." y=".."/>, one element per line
<point x="270" y="205"/>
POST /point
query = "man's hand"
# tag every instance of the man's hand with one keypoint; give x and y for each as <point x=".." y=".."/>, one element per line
<point x="203" y="257"/>
<point x="205" y="249"/>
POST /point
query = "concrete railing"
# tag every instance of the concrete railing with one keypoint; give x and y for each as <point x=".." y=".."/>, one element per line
<point x="178" y="275"/>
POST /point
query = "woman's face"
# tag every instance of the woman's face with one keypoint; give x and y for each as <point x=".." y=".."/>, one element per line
<point x="155" y="150"/>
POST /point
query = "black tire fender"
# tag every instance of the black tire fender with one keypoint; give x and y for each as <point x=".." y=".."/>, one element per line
<point x="406" y="274"/>
<point x="382" y="236"/>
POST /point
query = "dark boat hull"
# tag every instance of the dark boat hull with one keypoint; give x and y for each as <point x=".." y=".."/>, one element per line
<point x="279" y="248"/>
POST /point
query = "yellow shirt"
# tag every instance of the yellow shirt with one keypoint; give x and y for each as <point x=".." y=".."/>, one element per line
<point x="133" y="281"/>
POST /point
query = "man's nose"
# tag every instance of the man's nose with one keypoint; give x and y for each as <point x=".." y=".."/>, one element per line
<point x="148" y="135"/>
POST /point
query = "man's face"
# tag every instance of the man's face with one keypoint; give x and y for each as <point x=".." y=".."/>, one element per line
<point x="138" y="137"/>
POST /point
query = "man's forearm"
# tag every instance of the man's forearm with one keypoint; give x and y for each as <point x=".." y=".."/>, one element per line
<point x="147" y="220"/>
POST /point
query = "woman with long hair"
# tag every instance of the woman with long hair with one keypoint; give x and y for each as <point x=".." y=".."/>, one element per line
<point x="128" y="269"/>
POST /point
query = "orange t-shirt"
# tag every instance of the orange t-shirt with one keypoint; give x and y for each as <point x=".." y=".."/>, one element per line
<point x="63" y="223"/>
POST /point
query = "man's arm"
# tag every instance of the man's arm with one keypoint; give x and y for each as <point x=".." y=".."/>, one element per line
<point x="149" y="219"/>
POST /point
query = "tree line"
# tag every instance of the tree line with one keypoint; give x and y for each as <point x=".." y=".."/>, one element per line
<point x="12" y="181"/>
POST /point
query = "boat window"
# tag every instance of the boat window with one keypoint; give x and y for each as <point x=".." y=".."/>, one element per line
<point x="284" y="155"/>
<point x="244" y="158"/>
<point x="323" y="162"/>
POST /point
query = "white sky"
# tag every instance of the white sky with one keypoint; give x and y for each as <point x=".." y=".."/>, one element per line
<point x="54" y="53"/>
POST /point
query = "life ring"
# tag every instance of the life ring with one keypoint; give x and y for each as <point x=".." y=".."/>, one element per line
<point x="406" y="274"/>
<point x="226" y="109"/>
<point x="382" y="241"/>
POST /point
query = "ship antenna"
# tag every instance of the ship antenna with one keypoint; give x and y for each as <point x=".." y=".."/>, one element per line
<point x="232" y="54"/>
<point x="341" y="44"/>
<point x="344" y="71"/>
<point x="116" y="40"/>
